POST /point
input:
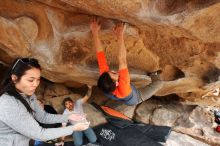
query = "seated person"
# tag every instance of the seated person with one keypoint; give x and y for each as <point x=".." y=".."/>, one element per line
<point x="76" y="107"/>
<point x="51" y="110"/>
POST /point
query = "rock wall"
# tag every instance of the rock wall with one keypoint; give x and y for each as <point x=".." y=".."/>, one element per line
<point x="174" y="36"/>
<point x="181" y="38"/>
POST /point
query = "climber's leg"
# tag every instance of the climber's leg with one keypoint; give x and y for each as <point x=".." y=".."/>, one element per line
<point x="149" y="90"/>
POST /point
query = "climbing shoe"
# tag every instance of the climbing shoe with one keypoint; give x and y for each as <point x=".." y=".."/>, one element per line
<point x="155" y="76"/>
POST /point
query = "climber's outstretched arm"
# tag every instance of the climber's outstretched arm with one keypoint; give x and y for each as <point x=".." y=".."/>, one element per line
<point x="95" y="28"/>
<point x="119" y="32"/>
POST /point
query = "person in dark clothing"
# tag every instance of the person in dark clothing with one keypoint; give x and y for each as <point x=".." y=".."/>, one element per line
<point x="51" y="110"/>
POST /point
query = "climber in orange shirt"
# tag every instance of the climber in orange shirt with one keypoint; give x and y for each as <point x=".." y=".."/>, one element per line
<point x="116" y="85"/>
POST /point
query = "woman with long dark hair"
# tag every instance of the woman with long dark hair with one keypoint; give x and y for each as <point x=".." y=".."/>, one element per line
<point x="20" y="111"/>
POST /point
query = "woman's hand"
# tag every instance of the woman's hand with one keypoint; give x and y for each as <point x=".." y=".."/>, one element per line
<point x="81" y="126"/>
<point x="59" y="143"/>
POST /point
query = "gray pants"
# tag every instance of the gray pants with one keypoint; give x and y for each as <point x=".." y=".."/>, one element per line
<point x="138" y="95"/>
<point x="149" y="90"/>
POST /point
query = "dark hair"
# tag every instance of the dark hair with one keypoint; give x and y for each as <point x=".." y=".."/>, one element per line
<point x="18" y="68"/>
<point x="106" y="83"/>
<point x="41" y="101"/>
<point x="66" y="99"/>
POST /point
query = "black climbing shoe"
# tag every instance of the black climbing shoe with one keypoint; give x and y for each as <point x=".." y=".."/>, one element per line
<point x="155" y="76"/>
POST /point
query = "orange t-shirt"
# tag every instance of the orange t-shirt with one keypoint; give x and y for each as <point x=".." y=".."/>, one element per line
<point x="123" y="89"/>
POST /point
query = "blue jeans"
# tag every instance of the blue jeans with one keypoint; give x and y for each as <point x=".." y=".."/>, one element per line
<point x="38" y="143"/>
<point x="78" y="136"/>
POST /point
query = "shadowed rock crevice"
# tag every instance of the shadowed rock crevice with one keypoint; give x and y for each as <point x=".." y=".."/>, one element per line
<point x="170" y="73"/>
<point x="212" y="75"/>
<point x="170" y="7"/>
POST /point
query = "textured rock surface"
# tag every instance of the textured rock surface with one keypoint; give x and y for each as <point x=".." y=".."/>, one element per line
<point x="179" y="37"/>
<point x="177" y="139"/>
<point x="192" y="120"/>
